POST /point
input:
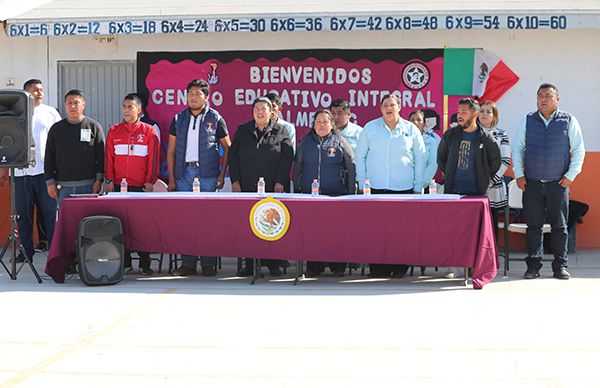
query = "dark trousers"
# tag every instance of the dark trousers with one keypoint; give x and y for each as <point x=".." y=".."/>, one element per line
<point x="28" y="190"/>
<point x="495" y="211"/>
<point x="144" y="256"/>
<point x="144" y="259"/>
<point x="546" y="202"/>
<point x="269" y="263"/>
<point x="385" y="270"/>
<point x="319" y="266"/>
<point x="40" y="222"/>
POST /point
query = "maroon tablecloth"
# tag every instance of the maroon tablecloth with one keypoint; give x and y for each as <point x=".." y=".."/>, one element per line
<point x="444" y="233"/>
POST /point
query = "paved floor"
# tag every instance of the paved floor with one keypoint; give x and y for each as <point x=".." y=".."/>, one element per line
<point x="350" y="332"/>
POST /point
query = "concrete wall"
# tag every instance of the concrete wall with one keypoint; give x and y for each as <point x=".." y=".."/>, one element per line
<point x="570" y="59"/>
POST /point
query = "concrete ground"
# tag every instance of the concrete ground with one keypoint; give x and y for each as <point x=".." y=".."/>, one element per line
<point x="349" y="332"/>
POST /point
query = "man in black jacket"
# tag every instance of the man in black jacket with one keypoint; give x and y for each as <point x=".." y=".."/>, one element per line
<point x="261" y="148"/>
<point x="468" y="155"/>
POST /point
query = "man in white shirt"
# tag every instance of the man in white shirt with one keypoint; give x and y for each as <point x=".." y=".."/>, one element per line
<point x="30" y="185"/>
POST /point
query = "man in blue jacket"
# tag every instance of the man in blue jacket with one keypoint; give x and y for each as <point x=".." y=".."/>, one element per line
<point x="195" y="135"/>
<point x="548" y="154"/>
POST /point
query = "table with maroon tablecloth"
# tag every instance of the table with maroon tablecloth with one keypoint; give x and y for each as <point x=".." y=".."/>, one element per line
<point x="428" y="231"/>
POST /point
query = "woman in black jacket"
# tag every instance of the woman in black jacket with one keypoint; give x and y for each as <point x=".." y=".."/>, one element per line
<point x="326" y="156"/>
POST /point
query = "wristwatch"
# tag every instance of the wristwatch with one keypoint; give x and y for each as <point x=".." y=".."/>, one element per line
<point x="107" y="181"/>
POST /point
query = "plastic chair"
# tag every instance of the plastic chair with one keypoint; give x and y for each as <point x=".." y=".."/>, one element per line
<point x="160" y="187"/>
<point x="515" y="201"/>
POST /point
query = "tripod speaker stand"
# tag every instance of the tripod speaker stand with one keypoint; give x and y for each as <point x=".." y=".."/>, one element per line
<point x="13" y="243"/>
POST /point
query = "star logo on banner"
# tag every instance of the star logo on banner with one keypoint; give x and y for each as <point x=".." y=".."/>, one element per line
<point x="415" y="75"/>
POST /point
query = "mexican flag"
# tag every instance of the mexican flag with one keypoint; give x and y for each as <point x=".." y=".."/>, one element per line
<point x="476" y="72"/>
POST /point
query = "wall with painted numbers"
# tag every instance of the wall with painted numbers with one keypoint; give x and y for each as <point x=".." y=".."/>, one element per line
<point x="303" y="23"/>
<point x="568" y="58"/>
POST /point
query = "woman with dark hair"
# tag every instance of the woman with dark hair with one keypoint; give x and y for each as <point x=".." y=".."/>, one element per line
<point x="324" y="155"/>
<point x="488" y="119"/>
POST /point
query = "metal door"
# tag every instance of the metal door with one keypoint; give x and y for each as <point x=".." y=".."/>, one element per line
<point x="104" y="84"/>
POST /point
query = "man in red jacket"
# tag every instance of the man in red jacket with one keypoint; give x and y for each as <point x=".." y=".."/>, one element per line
<point x="132" y="153"/>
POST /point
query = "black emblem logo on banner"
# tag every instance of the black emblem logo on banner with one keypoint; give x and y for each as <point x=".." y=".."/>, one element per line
<point x="415" y="75"/>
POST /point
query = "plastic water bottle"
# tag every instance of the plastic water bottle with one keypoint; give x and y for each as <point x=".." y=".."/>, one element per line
<point x="123" y="185"/>
<point x="260" y="186"/>
<point x="196" y="185"/>
<point x="314" y="188"/>
<point x="367" y="187"/>
<point x="432" y="187"/>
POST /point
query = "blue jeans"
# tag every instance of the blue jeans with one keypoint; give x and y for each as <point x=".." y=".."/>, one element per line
<point x="66" y="191"/>
<point x="27" y="190"/>
<point x="206" y="185"/>
<point x="546" y="202"/>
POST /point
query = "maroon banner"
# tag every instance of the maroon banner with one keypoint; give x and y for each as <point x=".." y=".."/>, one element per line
<point x="305" y="82"/>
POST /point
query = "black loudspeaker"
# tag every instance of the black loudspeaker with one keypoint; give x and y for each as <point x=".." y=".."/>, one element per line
<point x="16" y="141"/>
<point x="100" y="250"/>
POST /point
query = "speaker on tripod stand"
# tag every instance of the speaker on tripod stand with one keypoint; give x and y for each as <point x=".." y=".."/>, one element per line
<point x="17" y="150"/>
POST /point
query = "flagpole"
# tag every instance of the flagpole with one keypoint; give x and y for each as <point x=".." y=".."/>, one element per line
<point x="445" y="112"/>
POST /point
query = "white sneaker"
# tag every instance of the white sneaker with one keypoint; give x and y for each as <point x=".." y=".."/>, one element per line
<point x="454" y="273"/>
<point x="451" y="274"/>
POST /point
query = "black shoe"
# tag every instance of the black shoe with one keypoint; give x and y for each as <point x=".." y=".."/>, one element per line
<point x="21" y="258"/>
<point x="246" y="271"/>
<point x="274" y="271"/>
<point x="42" y="246"/>
<point x="379" y="275"/>
<point x="146" y="270"/>
<point x="209" y="270"/>
<point x="533" y="271"/>
<point x="72" y="270"/>
<point x="561" y="273"/>
<point x="184" y="271"/>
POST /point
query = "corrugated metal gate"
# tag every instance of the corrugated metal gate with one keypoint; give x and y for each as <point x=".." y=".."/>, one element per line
<point x="104" y="84"/>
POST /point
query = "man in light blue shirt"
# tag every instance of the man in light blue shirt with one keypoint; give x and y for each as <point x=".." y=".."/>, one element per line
<point x="391" y="154"/>
<point x="340" y="112"/>
<point x="548" y="154"/>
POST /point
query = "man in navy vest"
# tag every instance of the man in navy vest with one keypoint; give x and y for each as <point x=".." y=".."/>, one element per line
<point x="193" y="152"/>
<point x="548" y="154"/>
